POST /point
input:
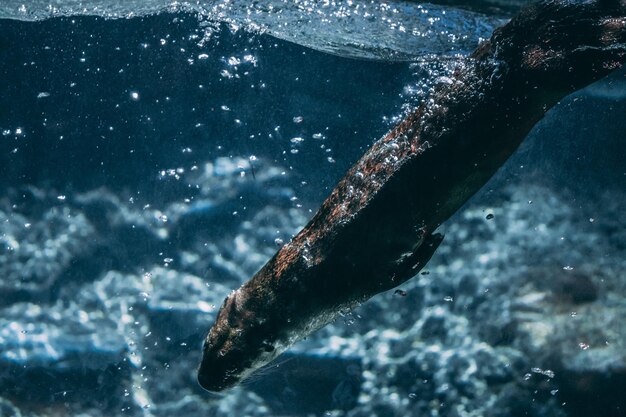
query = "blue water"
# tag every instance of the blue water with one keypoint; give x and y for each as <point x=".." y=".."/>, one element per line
<point x="154" y="156"/>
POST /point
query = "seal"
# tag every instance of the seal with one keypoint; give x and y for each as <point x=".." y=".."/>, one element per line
<point x="376" y="229"/>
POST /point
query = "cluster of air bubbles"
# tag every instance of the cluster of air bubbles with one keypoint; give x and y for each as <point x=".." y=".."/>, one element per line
<point x="208" y="28"/>
<point x="546" y="372"/>
<point x="349" y="317"/>
<point x="174" y="173"/>
<point x="428" y="73"/>
<point x="18" y="131"/>
<point x="295" y="142"/>
<point x="234" y="66"/>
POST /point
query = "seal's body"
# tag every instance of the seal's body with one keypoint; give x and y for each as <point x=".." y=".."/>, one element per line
<point x="375" y="230"/>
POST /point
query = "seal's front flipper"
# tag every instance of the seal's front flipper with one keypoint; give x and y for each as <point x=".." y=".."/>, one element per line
<point x="410" y="265"/>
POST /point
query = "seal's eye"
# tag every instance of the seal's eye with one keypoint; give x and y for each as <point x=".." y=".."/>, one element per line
<point x="268" y="348"/>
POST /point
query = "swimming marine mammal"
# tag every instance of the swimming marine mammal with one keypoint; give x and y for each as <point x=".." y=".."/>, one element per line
<point x="377" y="227"/>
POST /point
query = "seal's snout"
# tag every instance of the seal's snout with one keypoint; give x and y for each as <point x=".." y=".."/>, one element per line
<point x="208" y="383"/>
<point x="224" y="354"/>
<point x="223" y="359"/>
<point x="211" y="384"/>
<point x="214" y="376"/>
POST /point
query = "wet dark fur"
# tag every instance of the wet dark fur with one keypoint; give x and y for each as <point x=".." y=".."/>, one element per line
<point x="375" y="230"/>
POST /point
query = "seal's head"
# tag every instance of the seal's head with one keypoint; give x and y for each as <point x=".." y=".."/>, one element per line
<point x="238" y="344"/>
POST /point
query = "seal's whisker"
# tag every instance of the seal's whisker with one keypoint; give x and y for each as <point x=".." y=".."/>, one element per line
<point x="268" y="369"/>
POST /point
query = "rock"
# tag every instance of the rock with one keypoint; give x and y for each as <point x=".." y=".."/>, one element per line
<point x="228" y="189"/>
<point x="563" y="309"/>
<point x="8" y="410"/>
<point x="163" y="314"/>
<point x="496" y="325"/>
<point x="79" y="350"/>
<point x="60" y="352"/>
<point x="181" y="306"/>
<point x="129" y="233"/>
<point x="35" y="251"/>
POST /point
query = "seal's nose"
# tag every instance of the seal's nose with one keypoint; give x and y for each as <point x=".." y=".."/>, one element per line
<point x="214" y="376"/>
<point x="208" y="383"/>
<point x="208" y="379"/>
